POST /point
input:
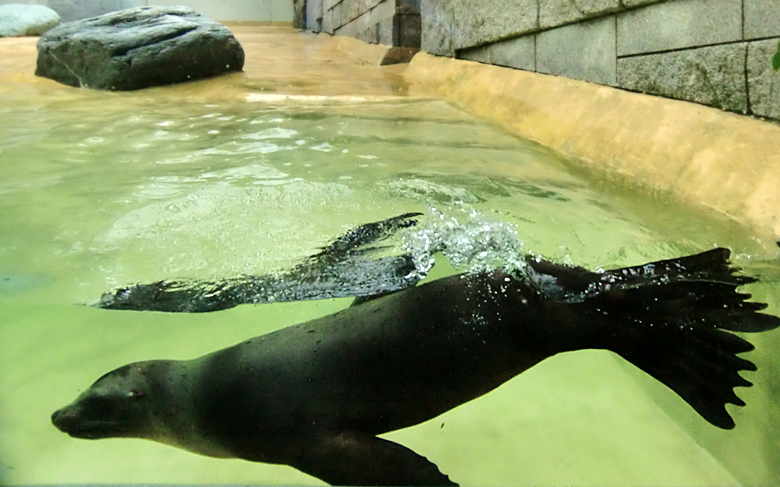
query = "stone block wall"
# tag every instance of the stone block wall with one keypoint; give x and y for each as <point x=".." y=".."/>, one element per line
<point x="714" y="52"/>
<point x="390" y="22"/>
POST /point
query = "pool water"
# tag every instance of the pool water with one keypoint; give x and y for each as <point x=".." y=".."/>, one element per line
<point x="100" y="190"/>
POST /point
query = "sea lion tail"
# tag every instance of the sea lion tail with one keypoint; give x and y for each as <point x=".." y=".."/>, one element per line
<point x="672" y="317"/>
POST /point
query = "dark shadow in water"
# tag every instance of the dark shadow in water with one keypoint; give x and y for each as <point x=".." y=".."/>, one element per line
<point x="344" y="268"/>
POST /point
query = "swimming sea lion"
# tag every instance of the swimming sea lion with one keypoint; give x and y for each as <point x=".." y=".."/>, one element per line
<point x="315" y="395"/>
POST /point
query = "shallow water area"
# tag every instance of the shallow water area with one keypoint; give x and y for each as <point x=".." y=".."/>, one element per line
<point x="253" y="172"/>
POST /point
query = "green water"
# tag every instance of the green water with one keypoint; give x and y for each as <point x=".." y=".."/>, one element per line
<point x="103" y="189"/>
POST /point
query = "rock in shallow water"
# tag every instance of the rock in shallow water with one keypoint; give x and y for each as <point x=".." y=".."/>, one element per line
<point x="138" y="48"/>
<point x="26" y="20"/>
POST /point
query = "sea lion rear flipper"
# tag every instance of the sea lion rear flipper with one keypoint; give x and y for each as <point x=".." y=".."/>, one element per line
<point x="362" y="459"/>
<point x="675" y="317"/>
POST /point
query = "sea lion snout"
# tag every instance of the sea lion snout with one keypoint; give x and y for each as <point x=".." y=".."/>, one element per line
<point x="68" y="421"/>
<point x="57" y="419"/>
<point x="92" y="417"/>
<point x="110" y="408"/>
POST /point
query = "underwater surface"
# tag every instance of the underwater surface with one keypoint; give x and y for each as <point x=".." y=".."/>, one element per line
<point x="100" y="190"/>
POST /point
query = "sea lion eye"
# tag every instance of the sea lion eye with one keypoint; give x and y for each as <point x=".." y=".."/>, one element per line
<point x="135" y="394"/>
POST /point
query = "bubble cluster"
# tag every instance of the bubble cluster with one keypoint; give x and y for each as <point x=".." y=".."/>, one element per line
<point x="468" y="239"/>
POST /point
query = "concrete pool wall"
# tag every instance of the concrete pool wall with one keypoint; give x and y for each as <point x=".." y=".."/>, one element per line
<point x="714" y="53"/>
<point x="703" y="157"/>
<point x="726" y="162"/>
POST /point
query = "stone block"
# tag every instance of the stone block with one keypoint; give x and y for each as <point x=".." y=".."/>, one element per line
<point x="585" y="51"/>
<point x="329" y="4"/>
<point x="763" y="82"/>
<point x="386" y="29"/>
<point x="553" y="13"/>
<point x="678" y="24"/>
<point x="367" y="30"/>
<point x="349" y="30"/>
<point x="513" y="53"/>
<point x="408" y="7"/>
<point x="299" y="14"/>
<point x="713" y="75"/>
<point x="480" y="54"/>
<point x="519" y="53"/>
<point x="314" y="15"/>
<point x="409" y="30"/>
<point x="438" y="34"/>
<point x="383" y="11"/>
<point x="328" y="25"/>
<point x="469" y="23"/>
<point x="762" y="18"/>
<point x="338" y="19"/>
<point x="352" y="9"/>
<point x="369" y="33"/>
<point x="373" y="3"/>
<point x="340" y="13"/>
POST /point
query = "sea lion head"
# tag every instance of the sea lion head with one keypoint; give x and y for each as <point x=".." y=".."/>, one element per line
<point x="116" y="405"/>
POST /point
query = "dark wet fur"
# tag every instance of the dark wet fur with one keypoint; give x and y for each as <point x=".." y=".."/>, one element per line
<point x="669" y="320"/>
<point x="345" y="268"/>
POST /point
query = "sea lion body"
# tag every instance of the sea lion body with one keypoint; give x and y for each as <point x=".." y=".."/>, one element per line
<point x="384" y="365"/>
<point x="315" y="395"/>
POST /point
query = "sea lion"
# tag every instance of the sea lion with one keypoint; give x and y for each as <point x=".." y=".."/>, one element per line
<point x="315" y="395"/>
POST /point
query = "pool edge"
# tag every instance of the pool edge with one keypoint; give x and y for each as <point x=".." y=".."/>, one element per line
<point x="724" y="161"/>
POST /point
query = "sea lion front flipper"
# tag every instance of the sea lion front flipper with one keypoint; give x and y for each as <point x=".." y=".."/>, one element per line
<point x="362" y="236"/>
<point x="341" y="269"/>
<point x="362" y="459"/>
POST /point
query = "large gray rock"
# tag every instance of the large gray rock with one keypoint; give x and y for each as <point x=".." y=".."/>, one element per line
<point x="26" y="20"/>
<point x="137" y="48"/>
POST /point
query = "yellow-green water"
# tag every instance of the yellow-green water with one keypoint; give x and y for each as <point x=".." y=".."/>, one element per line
<point x="107" y="189"/>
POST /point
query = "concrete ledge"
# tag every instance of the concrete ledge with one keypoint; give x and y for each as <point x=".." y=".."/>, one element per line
<point x="700" y="155"/>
